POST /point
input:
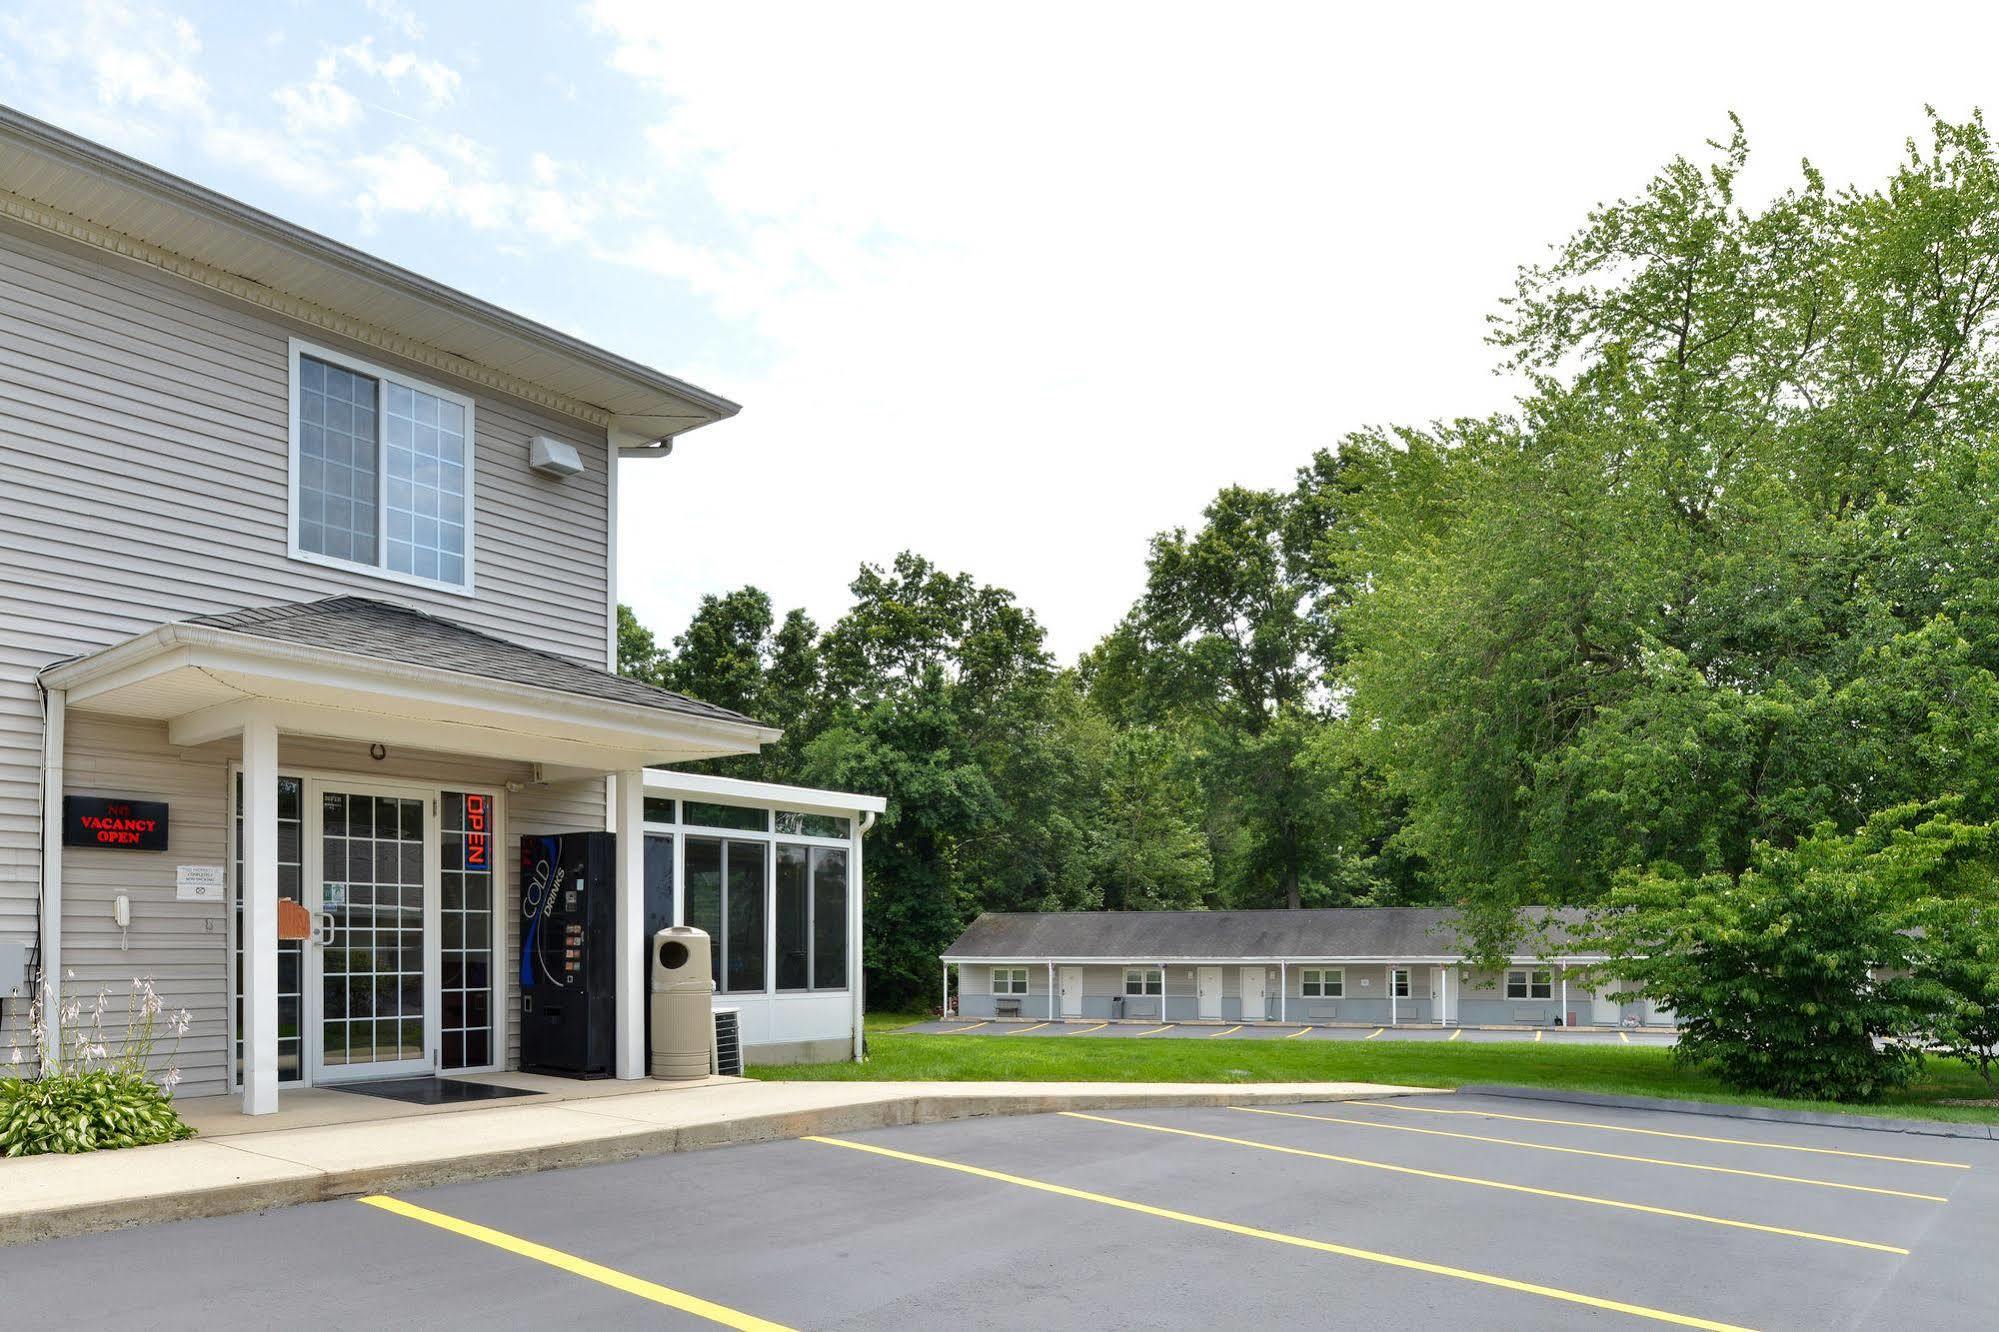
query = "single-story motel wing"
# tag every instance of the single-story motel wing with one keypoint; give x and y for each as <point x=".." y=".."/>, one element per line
<point x="1374" y="965"/>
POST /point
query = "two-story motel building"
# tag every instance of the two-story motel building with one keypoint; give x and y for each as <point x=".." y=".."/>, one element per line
<point x="308" y="592"/>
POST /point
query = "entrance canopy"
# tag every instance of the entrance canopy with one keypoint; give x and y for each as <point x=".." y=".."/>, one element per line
<point x="350" y="668"/>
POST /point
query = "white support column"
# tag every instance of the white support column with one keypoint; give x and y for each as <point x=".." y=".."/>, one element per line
<point x="856" y="885"/>
<point x="1391" y="996"/>
<point x="260" y="916"/>
<point x="944" y="993"/>
<point x="1162" y="992"/>
<point x="630" y="1057"/>
<point x="1283" y="990"/>
<point x="1051" y="990"/>
<point x="48" y="985"/>
<point x="1565" y="994"/>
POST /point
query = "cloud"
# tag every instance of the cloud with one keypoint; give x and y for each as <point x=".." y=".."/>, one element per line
<point x="397" y="17"/>
<point x="437" y="80"/>
<point x="318" y="106"/>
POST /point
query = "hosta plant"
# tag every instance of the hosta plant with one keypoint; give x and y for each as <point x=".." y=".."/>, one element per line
<point x="80" y="1094"/>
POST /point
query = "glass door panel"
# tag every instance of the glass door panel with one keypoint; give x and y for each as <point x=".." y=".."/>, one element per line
<point x="371" y="944"/>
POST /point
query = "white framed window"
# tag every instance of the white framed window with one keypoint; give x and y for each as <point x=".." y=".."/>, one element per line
<point x="1143" y="980"/>
<point x="1398" y="982"/>
<point x="1323" y="983"/>
<point x="381" y="471"/>
<point x="1009" y="980"/>
<point x="1525" y="984"/>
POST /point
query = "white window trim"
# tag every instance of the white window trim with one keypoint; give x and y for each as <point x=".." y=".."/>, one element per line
<point x="382" y="376"/>
<point x="1143" y="973"/>
<point x="1526" y="975"/>
<point x="1405" y="977"/>
<point x="1003" y="977"/>
<point x="1319" y="976"/>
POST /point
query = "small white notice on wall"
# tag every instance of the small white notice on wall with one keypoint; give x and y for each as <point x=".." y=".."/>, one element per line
<point x="198" y="883"/>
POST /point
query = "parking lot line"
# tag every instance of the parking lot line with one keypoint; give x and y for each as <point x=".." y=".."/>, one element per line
<point x="962" y="1030"/>
<point x="1156" y="1030"/>
<point x="1667" y="1133"/>
<point x="1024" y="1030"/>
<point x="1624" y="1036"/>
<point x="1537" y="1036"/>
<point x="583" y="1267"/>
<point x="1459" y="1032"/>
<point x="1372" y="1034"/>
<point x="1296" y="1241"/>
<point x="1087" y="1030"/>
<point x="1617" y="1203"/>
<point x="1606" y="1156"/>
<point x="1230" y="1032"/>
<point x="1292" y="1036"/>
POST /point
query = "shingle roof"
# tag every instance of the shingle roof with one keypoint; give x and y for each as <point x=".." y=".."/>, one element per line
<point x="416" y="638"/>
<point x="1329" y="932"/>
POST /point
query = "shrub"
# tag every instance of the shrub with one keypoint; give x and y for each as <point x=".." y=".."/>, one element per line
<point x="82" y="1112"/>
<point x="1801" y="977"/>
<point x="83" y="1095"/>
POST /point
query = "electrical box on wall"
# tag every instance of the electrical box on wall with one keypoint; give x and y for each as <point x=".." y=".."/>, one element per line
<point x="552" y="457"/>
<point x="15" y="983"/>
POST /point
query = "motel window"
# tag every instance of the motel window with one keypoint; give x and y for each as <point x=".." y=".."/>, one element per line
<point x="1323" y="983"/>
<point x="470" y="930"/>
<point x="725" y="897"/>
<point x="741" y="817"/>
<point x="1009" y="980"/>
<point x="811" y="917"/>
<point x="658" y="809"/>
<point x="1398" y="982"/>
<point x="1143" y="980"/>
<point x="795" y="824"/>
<point x="291" y="952"/>
<point x="381" y="471"/>
<point x="1530" y="985"/>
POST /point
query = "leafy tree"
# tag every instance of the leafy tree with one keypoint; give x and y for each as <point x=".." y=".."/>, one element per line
<point x="1803" y="976"/>
<point x="638" y="652"/>
<point x="1961" y="958"/>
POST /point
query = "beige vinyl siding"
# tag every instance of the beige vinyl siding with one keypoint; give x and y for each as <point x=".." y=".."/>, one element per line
<point x="144" y="475"/>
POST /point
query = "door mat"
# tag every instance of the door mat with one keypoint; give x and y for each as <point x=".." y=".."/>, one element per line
<point x="434" y="1091"/>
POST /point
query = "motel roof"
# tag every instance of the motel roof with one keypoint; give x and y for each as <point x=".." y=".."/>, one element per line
<point x="1312" y="934"/>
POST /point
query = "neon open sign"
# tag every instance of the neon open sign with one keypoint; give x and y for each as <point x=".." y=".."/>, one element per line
<point x="478" y="834"/>
<point x="128" y="825"/>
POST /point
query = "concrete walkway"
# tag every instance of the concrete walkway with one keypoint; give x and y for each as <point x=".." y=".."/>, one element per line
<point x="222" y="1172"/>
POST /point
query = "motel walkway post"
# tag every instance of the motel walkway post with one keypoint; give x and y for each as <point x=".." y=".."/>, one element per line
<point x="944" y="1008"/>
<point x="1283" y="991"/>
<point x="1051" y="989"/>
<point x="629" y="922"/>
<point x="1563" y="967"/>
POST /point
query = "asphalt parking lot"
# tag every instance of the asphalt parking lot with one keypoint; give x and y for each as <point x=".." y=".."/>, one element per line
<point x="1267" y="1031"/>
<point x="1414" y="1212"/>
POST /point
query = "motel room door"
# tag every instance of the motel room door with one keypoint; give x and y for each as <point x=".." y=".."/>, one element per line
<point x="1072" y="991"/>
<point x="1208" y="988"/>
<point x="1255" y="1008"/>
<point x="371" y="970"/>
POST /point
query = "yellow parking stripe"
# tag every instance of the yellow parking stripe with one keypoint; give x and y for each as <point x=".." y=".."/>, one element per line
<point x="583" y="1267"/>
<point x="1605" y="1156"/>
<point x="1296" y="1241"/>
<point x="1024" y="1030"/>
<point x="1372" y="1034"/>
<point x="1230" y="1032"/>
<point x="962" y="1030"/>
<point x="1459" y="1032"/>
<point x="1496" y="1184"/>
<point x="1666" y="1133"/>
<point x="1292" y="1036"/>
<point x="1087" y="1030"/>
<point x="1156" y="1030"/>
<point x="1624" y="1036"/>
<point x="1537" y="1036"/>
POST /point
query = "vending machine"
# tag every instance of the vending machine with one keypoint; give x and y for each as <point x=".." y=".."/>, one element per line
<point x="568" y="964"/>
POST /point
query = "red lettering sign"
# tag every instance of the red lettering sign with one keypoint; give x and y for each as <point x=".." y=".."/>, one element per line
<point x="133" y="825"/>
<point x="476" y="834"/>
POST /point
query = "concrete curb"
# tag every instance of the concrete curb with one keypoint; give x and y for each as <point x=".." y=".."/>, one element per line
<point x="1930" y="1128"/>
<point x="620" y="1140"/>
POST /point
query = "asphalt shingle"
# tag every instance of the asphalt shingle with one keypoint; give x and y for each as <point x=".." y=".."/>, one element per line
<point x="417" y="638"/>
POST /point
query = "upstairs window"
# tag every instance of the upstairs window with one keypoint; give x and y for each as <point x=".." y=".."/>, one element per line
<point x="381" y="471"/>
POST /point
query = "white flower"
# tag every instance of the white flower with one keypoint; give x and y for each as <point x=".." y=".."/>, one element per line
<point x="17" y="1056"/>
<point x="69" y="974"/>
<point x="170" y="1079"/>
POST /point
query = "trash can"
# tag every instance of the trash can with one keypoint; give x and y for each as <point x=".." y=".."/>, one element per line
<point x="1117" y="1005"/>
<point x="682" y="990"/>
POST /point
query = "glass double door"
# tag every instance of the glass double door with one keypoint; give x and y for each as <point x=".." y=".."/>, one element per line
<point x="372" y="963"/>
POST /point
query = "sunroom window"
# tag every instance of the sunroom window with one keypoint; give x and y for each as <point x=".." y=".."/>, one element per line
<point x="381" y="471"/>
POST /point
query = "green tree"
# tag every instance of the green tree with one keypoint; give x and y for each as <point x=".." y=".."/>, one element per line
<point x="638" y="651"/>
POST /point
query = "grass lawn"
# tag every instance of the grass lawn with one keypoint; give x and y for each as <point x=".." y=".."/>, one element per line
<point x="1630" y="1070"/>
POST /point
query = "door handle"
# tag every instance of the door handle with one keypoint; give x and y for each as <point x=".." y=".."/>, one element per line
<point x="324" y="935"/>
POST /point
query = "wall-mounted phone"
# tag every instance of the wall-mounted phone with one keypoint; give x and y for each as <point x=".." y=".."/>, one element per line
<point x="121" y="916"/>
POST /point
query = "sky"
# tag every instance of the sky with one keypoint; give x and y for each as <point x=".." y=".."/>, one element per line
<point x="1015" y="287"/>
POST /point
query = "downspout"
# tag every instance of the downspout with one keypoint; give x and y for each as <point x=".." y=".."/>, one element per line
<point x="48" y="921"/>
<point x="854" y="949"/>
